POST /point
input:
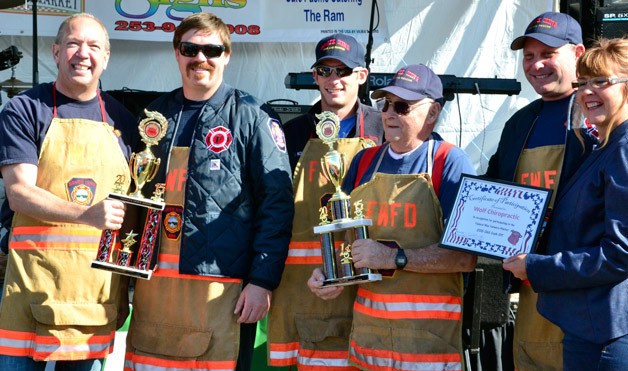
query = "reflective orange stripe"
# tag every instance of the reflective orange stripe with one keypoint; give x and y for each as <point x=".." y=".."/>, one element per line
<point x="327" y="360"/>
<point x="407" y="306"/>
<point x="377" y="359"/>
<point x="283" y="354"/>
<point x="306" y="252"/>
<point x="15" y="343"/>
<point x="288" y="354"/>
<point x="18" y="343"/>
<point x="146" y="363"/>
<point x="54" y="238"/>
<point x="168" y="266"/>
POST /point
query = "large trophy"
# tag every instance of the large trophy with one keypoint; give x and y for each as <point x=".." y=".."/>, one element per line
<point x="143" y="167"/>
<point x="338" y="268"/>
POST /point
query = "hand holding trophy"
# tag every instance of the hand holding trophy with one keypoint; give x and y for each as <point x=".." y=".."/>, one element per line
<point x="143" y="168"/>
<point x="333" y="167"/>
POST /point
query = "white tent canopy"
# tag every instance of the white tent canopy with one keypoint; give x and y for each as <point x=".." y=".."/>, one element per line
<point x="455" y="37"/>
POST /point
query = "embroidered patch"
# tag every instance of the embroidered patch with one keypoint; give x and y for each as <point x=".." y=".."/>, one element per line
<point x="218" y="139"/>
<point x="81" y="190"/>
<point x="214" y="164"/>
<point x="172" y="221"/>
<point x="277" y="133"/>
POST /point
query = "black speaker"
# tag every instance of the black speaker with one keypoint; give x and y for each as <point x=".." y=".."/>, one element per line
<point x="612" y="21"/>
<point x="494" y="303"/>
<point x="287" y="109"/>
<point x="135" y="100"/>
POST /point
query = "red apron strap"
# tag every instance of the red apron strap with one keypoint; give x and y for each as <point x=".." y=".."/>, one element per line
<point x="365" y="161"/>
<point x="439" y="165"/>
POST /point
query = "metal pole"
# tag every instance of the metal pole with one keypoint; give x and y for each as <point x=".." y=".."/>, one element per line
<point x="364" y="89"/>
<point x="35" y="54"/>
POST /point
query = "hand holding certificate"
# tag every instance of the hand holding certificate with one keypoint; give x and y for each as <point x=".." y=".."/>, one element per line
<point x="495" y="219"/>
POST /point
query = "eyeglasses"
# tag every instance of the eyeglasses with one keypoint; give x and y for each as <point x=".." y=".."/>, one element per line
<point x="400" y="107"/>
<point x="191" y="50"/>
<point x="340" y="71"/>
<point x="598" y="82"/>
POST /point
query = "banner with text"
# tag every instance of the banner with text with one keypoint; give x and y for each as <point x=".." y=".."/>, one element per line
<point x="248" y="20"/>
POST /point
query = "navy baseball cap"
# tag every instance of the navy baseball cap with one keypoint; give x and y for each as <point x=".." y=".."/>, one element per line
<point x="341" y="47"/>
<point x="552" y="29"/>
<point x="413" y="82"/>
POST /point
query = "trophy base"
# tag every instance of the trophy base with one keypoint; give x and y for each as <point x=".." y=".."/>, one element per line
<point x="340" y="225"/>
<point x="127" y="271"/>
<point x="353" y="280"/>
<point x="141" y="202"/>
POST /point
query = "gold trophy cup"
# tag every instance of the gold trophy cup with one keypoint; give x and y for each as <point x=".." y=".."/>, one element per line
<point x="333" y="167"/>
<point x="143" y="167"/>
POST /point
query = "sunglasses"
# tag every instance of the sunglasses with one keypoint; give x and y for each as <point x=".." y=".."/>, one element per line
<point x="598" y="82"/>
<point x="400" y="107"/>
<point x="340" y="71"/>
<point x="191" y="50"/>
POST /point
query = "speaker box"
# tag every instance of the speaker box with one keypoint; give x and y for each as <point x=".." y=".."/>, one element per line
<point x="612" y="21"/>
<point x="287" y="109"/>
<point x="135" y="100"/>
<point x="495" y="303"/>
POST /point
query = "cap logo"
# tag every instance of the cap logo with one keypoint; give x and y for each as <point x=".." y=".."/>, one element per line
<point x="335" y="44"/>
<point x="543" y="22"/>
<point x="407" y="75"/>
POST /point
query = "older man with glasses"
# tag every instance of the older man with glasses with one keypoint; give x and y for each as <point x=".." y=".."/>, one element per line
<point x="409" y="185"/>
<point x="315" y="332"/>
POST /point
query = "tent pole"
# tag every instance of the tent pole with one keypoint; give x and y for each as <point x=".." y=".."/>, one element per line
<point x="35" y="54"/>
<point x="364" y="89"/>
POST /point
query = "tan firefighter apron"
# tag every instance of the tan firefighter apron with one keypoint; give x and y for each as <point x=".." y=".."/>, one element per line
<point x="181" y="321"/>
<point x="537" y="342"/>
<point x="55" y="306"/>
<point x="407" y="321"/>
<point x="302" y="328"/>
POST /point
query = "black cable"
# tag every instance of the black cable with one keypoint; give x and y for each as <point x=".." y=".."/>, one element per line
<point x="477" y="89"/>
<point x="459" y="121"/>
<point x="364" y="89"/>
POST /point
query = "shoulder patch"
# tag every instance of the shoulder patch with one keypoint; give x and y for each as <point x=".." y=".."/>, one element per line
<point x="277" y="133"/>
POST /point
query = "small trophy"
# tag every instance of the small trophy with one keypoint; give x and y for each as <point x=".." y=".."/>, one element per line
<point x="143" y="167"/>
<point x="333" y="165"/>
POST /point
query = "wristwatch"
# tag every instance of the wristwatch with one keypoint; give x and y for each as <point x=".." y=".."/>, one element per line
<point x="401" y="259"/>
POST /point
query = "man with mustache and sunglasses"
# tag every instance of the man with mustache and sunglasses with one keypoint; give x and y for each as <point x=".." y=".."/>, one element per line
<point x="539" y="147"/>
<point x="316" y="332"/>
<point x="412" y="318"/>
<point x="227" y="177"/>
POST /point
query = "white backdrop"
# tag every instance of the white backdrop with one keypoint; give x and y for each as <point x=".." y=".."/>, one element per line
<point x="466" y="38"/>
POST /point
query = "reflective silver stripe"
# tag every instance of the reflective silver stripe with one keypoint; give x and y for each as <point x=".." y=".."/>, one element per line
<point x="287" y="354"/>
<point x="72" y="348"/>
<point x="17" y="344"/>
<point x="55" y="238"/>
<point x="304" y="252"/>
<point x="129" y="364"/>
<point x="323" y="362"/>
<point x="168" y="265"/>
<point x="409" y="366"/>
<point x="408" y="306"/>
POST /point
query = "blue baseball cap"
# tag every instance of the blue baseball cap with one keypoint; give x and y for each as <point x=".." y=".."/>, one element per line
<point x="552" y="29"/>
<point x="341" y="47"/>
<point x="413" y="82"/>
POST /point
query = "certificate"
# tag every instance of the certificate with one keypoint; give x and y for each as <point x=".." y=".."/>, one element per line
<point x="495" y="219"/>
